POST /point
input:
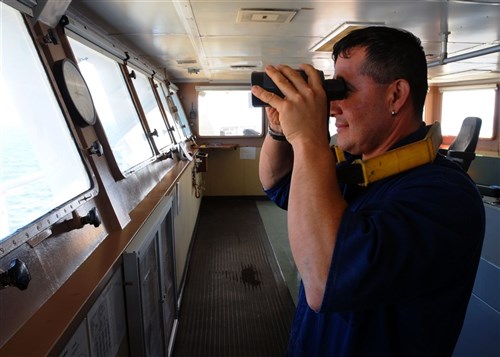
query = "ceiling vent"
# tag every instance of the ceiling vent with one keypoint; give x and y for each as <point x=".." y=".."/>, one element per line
<point x="245" y="67"/>
<point x="270" y="16"/>
<point x="186" y="61"/>
<point x="326" y="44"/>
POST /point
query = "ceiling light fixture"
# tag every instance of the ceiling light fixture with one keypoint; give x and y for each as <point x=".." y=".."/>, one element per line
<point x="326" y="44"/>
<point x="270" y="16"/>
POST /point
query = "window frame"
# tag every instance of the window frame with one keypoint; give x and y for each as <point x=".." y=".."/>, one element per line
<point x="40" y="228"/>
<point x="172" y="118"/>
<point x="487" y="145"/>
<point x="117" y="172"/>
<point x="228" y="137"/>
<point x="159" y="151"/>
<point x="183" y="119"/>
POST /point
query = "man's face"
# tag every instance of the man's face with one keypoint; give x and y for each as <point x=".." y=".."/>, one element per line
<point x="363" y="118"/>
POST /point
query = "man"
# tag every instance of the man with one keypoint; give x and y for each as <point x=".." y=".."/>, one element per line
<point x="387" y="269"/>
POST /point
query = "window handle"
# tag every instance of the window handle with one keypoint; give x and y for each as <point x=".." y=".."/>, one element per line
<point x="17" y="275"/>
<point x="96" y="149"/>
<point x="92" y="218"/>
<point x="153" y="133"/>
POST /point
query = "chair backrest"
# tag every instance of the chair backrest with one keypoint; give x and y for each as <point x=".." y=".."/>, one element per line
<point x="468" y="136"/>
<point x="462" y="149"/>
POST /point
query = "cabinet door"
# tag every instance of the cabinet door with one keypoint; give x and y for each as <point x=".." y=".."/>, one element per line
<point x="144" y="298"/>
<point x="167" y="263"/>
<point x="152" y="300"/>
<point x="150" y="286"/>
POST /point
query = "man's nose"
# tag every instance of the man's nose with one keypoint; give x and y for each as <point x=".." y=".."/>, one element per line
<point x="334" y="108"/>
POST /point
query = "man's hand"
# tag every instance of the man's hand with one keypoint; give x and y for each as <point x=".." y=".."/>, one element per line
<point x="302" y="112"/>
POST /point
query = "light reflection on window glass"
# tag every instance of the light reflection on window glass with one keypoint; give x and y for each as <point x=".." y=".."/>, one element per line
<point x="40" y="167"/>
<point x="460" y="104"/>
<point x="175" y="117"/>
<point x="228" y="113"/>
<point x="182" y="116"/>
<point x="151" y="110"/>
<point x="176" y="129"/>
<point x="114" y="107"/>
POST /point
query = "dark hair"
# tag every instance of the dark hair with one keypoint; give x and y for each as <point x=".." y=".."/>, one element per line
<point x="390" y="54"/>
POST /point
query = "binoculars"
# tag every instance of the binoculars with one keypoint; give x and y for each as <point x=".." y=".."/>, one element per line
<point x="335" y="88"/>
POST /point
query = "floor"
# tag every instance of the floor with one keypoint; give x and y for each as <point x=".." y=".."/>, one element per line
<point x="275" y="224"/>
<point x="235" y="300"/>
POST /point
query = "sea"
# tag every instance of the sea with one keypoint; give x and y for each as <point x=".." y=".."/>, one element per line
<point x="24" y="192"/>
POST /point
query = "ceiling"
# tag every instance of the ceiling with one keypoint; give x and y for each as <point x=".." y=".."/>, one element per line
<point x="217" y="41"/>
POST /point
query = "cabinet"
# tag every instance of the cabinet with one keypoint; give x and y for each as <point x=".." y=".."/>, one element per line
<point x="150" y="287"/>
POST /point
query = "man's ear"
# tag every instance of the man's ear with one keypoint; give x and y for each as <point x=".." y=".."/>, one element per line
<point x="399" y="94"/>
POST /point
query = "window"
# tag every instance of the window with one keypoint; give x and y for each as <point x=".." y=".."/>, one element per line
<point x="461" y="103"/>
<point x="41" y="168"/>
<point x="151" y="110"/>
<point x="182" y="115"/>
<point x="227" y="112"/>
<point x="167" y="103"/>
<point x="114" y="106"/>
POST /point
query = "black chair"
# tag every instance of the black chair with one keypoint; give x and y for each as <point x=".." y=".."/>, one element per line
<point x="462" y="149"/>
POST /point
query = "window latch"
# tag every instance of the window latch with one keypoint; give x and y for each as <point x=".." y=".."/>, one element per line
<point x="95" y="149"/>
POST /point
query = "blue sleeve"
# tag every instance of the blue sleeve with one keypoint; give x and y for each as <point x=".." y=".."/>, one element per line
<point x="279" y="193"/>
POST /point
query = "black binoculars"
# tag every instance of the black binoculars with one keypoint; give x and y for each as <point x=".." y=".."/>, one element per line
<point x="335" y="88"/>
